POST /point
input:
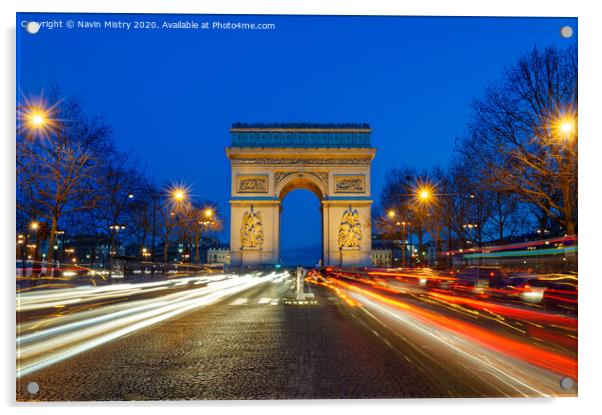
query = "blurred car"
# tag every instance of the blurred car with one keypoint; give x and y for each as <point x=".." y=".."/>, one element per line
<point x="557" y="291"/>
<point x="478" y="279"/>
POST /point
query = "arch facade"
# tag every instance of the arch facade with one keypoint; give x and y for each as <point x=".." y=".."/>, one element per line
<point x="331" y="160"/>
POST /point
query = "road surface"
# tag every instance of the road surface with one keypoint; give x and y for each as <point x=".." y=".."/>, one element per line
<point x="236" y="339"/>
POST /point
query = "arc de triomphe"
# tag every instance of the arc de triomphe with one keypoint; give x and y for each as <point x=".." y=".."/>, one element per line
<point x="270" y="160"/>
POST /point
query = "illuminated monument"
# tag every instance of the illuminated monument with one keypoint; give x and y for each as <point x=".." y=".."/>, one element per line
<point x="270" y="160"/>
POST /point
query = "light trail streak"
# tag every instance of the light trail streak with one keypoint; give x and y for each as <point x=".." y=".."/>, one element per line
<point x="522" y="351"/>
<point x="511" y="365"/>
<point x="86" y="330"/>
<point x="41" y="299"/>
<point x="507" y="311"/>
<point x="476" y="355"/>
<point x="537" y="252"/>
<point x="542" y="242"/>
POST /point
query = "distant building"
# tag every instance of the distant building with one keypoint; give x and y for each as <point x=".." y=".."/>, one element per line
<point x="382" y="257"/>
<point x="86" y="249"/>
<point x="396" y="246"/>
<point x="218" y="256"/>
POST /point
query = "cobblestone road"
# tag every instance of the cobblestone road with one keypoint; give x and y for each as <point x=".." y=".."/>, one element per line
<point x="250" y="346"/>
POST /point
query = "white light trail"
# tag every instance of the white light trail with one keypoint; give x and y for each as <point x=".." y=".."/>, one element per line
<point x="81" y="331"/>
<point x="516" y="375"/>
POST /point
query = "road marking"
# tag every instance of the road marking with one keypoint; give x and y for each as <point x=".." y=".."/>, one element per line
<point x="239" y="301"/>
<point x="264" y="300"/>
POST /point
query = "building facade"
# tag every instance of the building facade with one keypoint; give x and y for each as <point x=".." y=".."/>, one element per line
<point x="218" y="256"/>
<point x="382" y="257"/>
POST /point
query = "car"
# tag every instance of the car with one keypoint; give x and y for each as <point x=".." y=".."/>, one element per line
<point x="478" y="279"/>
<point x="555" y="292"/>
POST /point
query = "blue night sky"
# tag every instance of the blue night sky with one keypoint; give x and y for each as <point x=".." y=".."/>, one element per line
<point x="171" y="96"/>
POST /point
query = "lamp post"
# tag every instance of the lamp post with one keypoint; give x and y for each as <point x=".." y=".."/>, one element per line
<point x="403" y="225"/>
<point x="568" y="131"/>
<point x="471" y="227"/>
<point x="115" y="228"/>
<point x="425" y="198"/>
<point x="178" y="197"/>
<point x="391" y="215"/>
<point x="206" y="221"/>
<point x="34" y="226"/>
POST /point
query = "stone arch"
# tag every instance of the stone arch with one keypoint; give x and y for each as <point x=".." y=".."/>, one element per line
<point x="301" y="180"/>
<point x="268" y="161"/>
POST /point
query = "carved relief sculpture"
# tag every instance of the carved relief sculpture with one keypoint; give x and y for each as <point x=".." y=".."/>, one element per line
<point x="251" y="231"/>
<point x="350" y="231"/>
<point x="252" y="184"/>
<point x="349" y="184"/>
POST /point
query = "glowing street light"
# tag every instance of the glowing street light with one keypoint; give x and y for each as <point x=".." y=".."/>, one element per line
<point x="391" y="213"/>
<point x="566" y="127"/>
<point x="34" y="226"/>
<point x="179" y="194"/>
<point x="424" y="194"/>
<point x="208" y="213"/>
<point x="37" y="120"/>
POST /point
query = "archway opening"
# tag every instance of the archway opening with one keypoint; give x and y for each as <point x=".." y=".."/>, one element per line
<point x="300" y="228"/>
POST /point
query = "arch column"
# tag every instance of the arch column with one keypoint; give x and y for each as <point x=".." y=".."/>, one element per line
<point x="332" y="214"/>
<point x="268" y="213"/>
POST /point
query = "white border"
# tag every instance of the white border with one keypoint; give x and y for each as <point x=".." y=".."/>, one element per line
<point x="590" y="70"/>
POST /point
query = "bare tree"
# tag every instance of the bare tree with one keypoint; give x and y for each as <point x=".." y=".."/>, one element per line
<point x="141" y="215"/>
<point x="57" y="170"/>
<point x="523" y="136"/>
<point x="202" y="219"/>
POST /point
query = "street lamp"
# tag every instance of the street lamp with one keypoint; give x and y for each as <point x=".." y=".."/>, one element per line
<point x="179" y="194"/>
<point x="37" y="118"/>
<point x="470" y="227"/>
<point x="391" y="213"/>
<point x="208" y="213"/>
<point x="404" y="225"/>
<point x="34" y="226"/>
<point x="424" y="194"/>
<point x="564" y="126"/>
